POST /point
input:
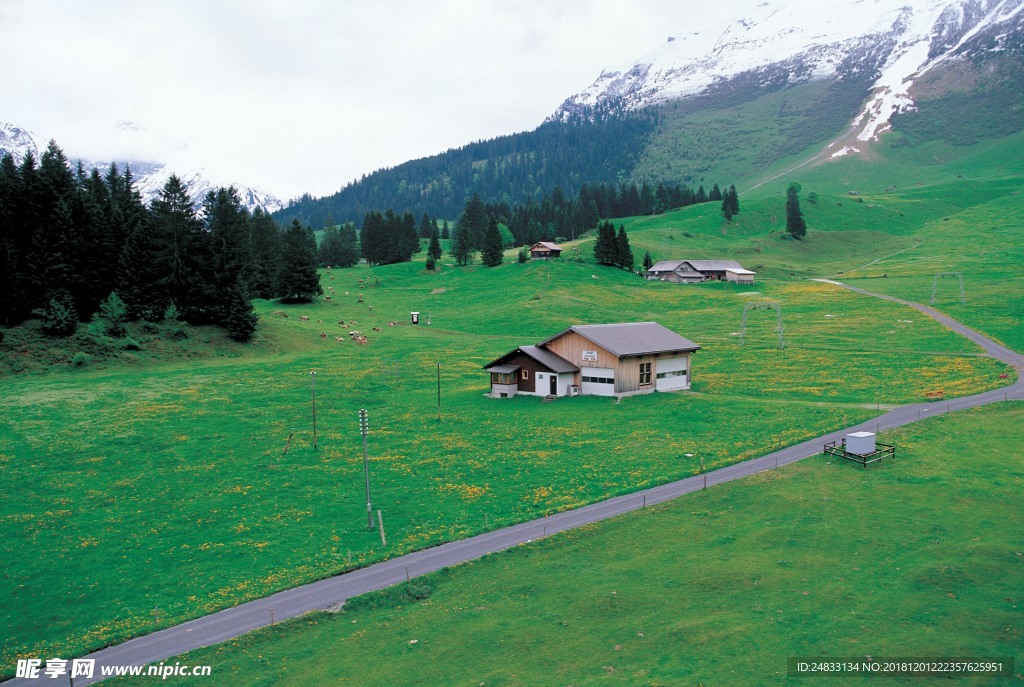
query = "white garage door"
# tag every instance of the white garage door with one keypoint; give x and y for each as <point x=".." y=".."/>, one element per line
<point x="672" y="374"/>
<point x="597" y="381"/>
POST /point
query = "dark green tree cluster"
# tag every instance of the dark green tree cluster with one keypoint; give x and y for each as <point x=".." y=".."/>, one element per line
<point x="613" y="248"/>
<point x="795" y="224"/>
<point x="339" y="246"/>
<point x="389" y="238"/>
<point x="69" y="239"/>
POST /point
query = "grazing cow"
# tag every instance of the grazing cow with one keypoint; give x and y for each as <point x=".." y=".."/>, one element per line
<point x="392" y="324"/>
<point x="376" y="329"/>
<point x="332" y="277"/>
<point x="304" y="318"/>
<point x="327" y="298"/>
<point x="323" y="335"/>
<point x="319" y="321"/>
<point x="339" y="338"/>
<point x="328" y="268"/>
<point x="371" y="307"/>
<point x="341" y="322"/>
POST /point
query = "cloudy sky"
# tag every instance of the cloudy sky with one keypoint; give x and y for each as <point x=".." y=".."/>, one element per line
<point x="307" y="95"/>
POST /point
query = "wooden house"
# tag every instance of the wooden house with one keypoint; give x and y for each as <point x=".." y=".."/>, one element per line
<point x="543" y="250"/>
<point x="596" y="359"/>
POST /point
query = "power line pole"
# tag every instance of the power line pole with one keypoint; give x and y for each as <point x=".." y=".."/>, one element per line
<point x="364" y="429"/>
<point x="312" y="389"/>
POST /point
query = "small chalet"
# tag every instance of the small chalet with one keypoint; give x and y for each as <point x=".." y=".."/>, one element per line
<point x="596" y="359"/>
<point x="545" y="249"/>
<point x="691" y="271"/>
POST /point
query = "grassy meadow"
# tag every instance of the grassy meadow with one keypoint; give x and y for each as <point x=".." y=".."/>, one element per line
<point x="159" y="479"/>
<point x="922" y="556"/>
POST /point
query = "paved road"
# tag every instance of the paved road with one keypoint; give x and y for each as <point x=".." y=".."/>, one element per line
<point x="331" y="592"/>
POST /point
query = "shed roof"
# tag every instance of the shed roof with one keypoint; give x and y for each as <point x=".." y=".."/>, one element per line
<point x="666" y="266"/>
<point x="553" y="362"/>
<point x="631" y="338"/>
<point x="738" y="270"/>
<point x="714" y="265"/>
<point x="502" y="369"/>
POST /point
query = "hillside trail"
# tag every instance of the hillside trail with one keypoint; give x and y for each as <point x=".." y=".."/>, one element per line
<point x="330" y="594"/>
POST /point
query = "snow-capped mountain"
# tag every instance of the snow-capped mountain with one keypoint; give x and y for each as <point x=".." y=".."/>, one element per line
<point x="891" y="42"/>
<point x="150" y="177"/>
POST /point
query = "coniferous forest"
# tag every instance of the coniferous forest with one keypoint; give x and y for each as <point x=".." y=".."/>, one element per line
<point x="77" y="245"/>
<point x="600" y="145"/>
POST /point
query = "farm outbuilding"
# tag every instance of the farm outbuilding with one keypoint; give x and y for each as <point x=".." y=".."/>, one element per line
<point x="597" y="360"/>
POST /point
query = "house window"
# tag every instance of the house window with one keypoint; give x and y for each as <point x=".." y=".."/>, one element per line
<point x="526" y="374"/>
<point x="645" y="374"/>
<point x="674" y="373"/>
<point x="502" y="378"/>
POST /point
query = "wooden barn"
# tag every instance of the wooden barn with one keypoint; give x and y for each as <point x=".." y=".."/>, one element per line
<point x="596" y="359"/>
<point x="692" y="271"/>
<point x="543" y="250"/>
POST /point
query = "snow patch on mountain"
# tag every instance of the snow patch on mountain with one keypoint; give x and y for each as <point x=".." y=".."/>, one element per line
<point x="890" y="42"/>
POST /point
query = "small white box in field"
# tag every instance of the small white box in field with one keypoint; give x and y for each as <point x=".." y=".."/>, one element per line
<point x="861" y="443"/>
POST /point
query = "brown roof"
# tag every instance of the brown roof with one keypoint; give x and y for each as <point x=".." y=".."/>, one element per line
<point x="546" y="244"/>
<point x="630" y="338"/>
<point x="553" y="362"/>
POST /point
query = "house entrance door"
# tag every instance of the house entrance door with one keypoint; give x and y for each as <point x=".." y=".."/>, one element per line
<point x="554" y="385"/>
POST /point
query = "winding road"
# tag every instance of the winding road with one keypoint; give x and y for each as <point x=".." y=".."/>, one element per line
<point x="332" y="592"/>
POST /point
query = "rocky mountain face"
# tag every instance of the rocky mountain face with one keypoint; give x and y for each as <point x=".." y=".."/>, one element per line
<point x="885" y="45"/>
<point x="150" y="177"/>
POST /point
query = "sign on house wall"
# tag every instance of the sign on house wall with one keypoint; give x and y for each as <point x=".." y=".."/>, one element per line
<point x="590" y="356"/>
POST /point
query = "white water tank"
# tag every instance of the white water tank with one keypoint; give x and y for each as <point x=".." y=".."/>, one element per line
<point x="861" y="443"/>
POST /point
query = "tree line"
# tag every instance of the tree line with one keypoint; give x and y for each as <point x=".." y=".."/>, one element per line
<point x="74" y="244"/>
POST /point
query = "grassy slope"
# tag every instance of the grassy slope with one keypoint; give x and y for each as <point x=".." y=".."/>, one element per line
<point x="719" y="587"/>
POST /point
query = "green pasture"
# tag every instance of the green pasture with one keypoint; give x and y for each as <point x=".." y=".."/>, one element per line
<point x="922" y="556"/>
<point x="166" y="486"/>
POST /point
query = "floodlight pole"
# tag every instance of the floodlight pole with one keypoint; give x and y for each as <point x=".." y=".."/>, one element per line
<point x="364" y="429"/>
<point x="312" y="389"/>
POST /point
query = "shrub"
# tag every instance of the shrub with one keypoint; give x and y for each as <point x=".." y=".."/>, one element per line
<point x="81" y="359"/>
<point x="60" y="318"/>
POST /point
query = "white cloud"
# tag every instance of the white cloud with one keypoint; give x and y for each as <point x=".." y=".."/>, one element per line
<point x="307" y="96"/>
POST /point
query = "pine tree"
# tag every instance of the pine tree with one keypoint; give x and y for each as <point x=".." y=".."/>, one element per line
<point x="299" y="279"/>
<point x="240" y="317"/>
<point x="265" y="238"/>
<point x="112" y="315"/>
<point x="623" y="253"/>
<point x="329" y="253"/>
<point x="648" y="261"/>
<point x="716" y="193"/>
<point x="182" y="248"/>
<point x="462" y="245"/>
<point x="606" y="249"/>
<point x="523" y="255"/>
<point x="434" y="249"/>
<point x="795" y="224"/>
<point x="734" y="200"/>
<point x="493" y="254"/>
<point x="426" y="227"/>
<point x="59" y="318"/>
<point x="349" y="246"/>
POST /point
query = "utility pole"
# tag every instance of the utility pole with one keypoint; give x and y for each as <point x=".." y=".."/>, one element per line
<point x="364" y="429"/>
<point x="312" y="389"/>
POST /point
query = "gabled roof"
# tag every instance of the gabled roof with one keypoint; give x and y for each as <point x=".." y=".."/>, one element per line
<point x="714" y="265"/>
<point x="546" y="244"/>
<point x="502" y="369"/>
<point x="630" y="338"/>
<point x="553" y="362"/>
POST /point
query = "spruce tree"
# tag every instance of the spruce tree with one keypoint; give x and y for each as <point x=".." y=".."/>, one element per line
<point x="462" y="245"/>
<point x="623" y="253"/>
<point x="240" y="317"/>
<point x="349" y="246"/>
<point x="606" y="249"/>
<point x="795" y="224"/>
<point x="59" y="318"/>
<point x="434" y="249"/>
<point x="648" y="261"/>
<point x="265" y="237"/>
<point x="493" y="253"/>
<point x="299" y="279"/>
